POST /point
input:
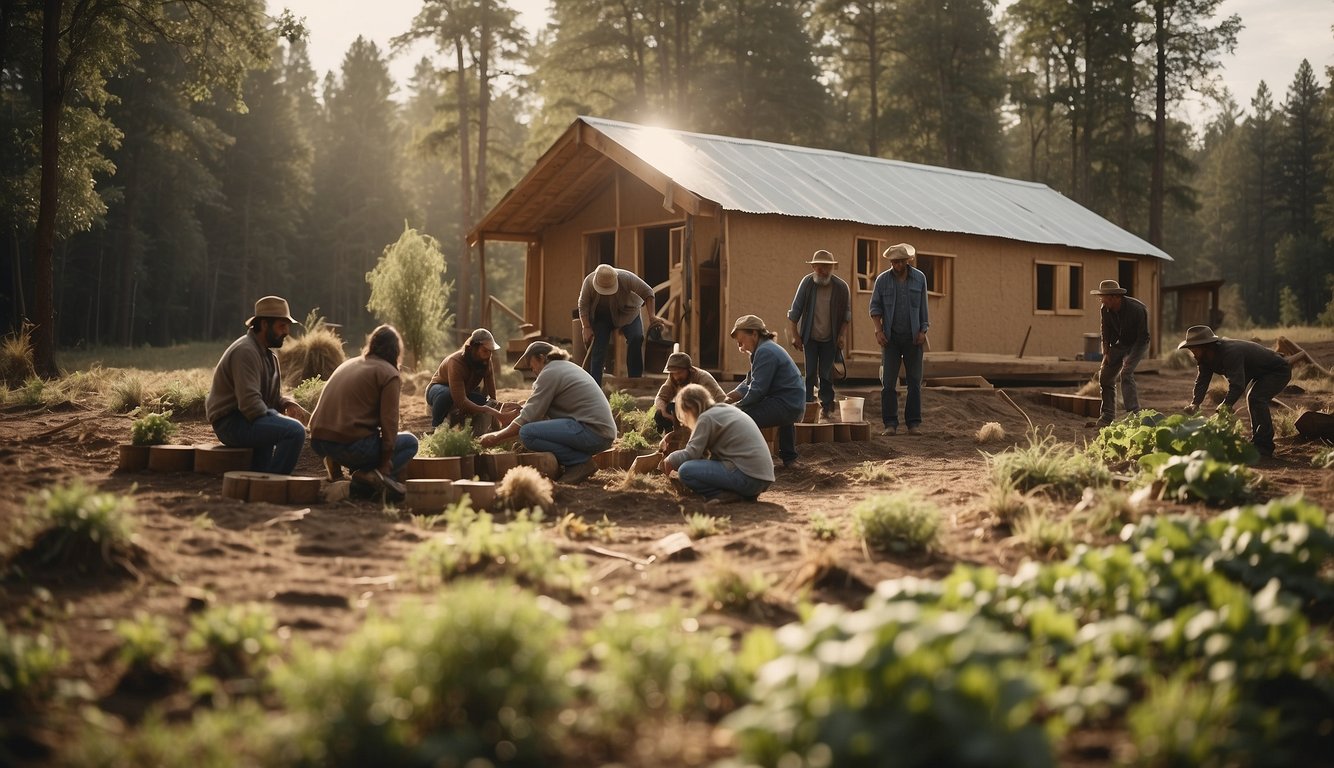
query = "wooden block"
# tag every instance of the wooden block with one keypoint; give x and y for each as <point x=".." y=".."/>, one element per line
<point x="493" y="466"/>
<point x="236" y="485"/>
<point x="482" y="493"/>
<point x="215" y="459"/>
<point x="543" y="461"/>
<point x="430" y="496"/>
<point x="132" y="458"/>
<point x="821" y="433"/>
<point x="303" y="490"/>
<point x="267" y="488"/>
<point x="842" y="433"/>
<point x="646" y="463"/>
<point x="674" y="546"/>
<point x="803" y="433"/>
<point x="171" y="458"/>
<point x="812" y="413"/>
<point x="434" y="468"/>
<point x="860" y="430"/>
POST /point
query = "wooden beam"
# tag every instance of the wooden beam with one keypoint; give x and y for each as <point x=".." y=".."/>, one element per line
<point x="658" y="180"/>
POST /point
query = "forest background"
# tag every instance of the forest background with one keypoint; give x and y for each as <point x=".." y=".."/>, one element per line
<point x="183" y="157"/>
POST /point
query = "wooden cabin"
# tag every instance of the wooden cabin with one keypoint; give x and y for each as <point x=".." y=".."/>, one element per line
<point x="723" y="227"/>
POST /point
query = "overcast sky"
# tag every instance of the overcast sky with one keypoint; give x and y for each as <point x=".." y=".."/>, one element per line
<point x="1278" y="34"/>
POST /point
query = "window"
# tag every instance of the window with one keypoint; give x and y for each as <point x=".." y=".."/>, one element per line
<point x="938" y="271"/>
<point x="868" y="264"/>
<point x="1058" y="288"/>
<point x="1125" y="274"/>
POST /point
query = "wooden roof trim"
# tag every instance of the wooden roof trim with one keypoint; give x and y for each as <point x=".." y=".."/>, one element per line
<point x="670" y="190"/>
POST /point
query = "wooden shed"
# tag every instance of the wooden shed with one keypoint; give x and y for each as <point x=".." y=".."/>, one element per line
<point x="723" y="227"/>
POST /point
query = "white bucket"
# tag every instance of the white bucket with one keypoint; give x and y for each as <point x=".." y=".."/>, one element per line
<point x="850" y="409"/>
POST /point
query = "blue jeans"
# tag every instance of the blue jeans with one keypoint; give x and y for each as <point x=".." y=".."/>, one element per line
<point x="634" y="347"/>
<point x="364" y="454"/>
<point x="274" y="440"/>
<point x="900" y="347"/>
<point x="708" y="478"/>
<point x="820" y="359"/>
<point x="771" y="412"/>
<point x="441" y="401"/>
<point x="571" y="441"/>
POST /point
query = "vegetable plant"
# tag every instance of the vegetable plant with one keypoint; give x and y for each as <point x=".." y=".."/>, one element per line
<point x="152" y="429"/>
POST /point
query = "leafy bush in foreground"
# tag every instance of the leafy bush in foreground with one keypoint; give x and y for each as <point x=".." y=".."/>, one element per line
<point x="1146" y="432"/>
<point x="75" y="525"/>
<point x="27" y="670"/>
<point x="898" y="522"/>
<point x="1198" y="476"/>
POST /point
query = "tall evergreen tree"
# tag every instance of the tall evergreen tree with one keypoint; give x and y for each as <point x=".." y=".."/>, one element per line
<point x="1305" y="257"/>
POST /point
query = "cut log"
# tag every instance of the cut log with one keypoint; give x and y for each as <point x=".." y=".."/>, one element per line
<point x="481" y="493"/>
<point x="1316" y="425"/>
<point x="171" y="458"/>
<point x="132" y="458"/>
<point x="303" y="490"/>
<point x="544" y="462"/>
<point x="269" y="488"/>
<point x="215" y="459"/>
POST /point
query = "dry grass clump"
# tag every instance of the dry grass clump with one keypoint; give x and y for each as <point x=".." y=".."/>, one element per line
<point x="1090" y="388"/>
<point x="991" y="432"/>
<point x="871" y="472"/>
<point x="16" y="357"/>
<point x="316" y="353"/>
<point x="649" y="482"/>
<point x="1178" y="360"/>
<point x="524" y="487"/>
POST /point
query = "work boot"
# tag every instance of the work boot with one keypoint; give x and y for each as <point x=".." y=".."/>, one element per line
<point x="332" y="470"/>
<point x="577" y="473"/>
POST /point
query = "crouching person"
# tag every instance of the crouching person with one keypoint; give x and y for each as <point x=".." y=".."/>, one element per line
<point x="567" y="414"/>
<point x="727" y="458"/>
<point x="355" y="424"/>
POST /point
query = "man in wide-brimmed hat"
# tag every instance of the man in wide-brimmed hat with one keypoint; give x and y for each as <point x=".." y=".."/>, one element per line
<point x="772" y="393"/>
<point x="680" y="370"/>
<point x="898" y="309"/>
<point x="611" y="299"/>
<point x="817" y="322"/>
<point x="567" y="414"/>
<point x="1125" y="342"/>
<point x="464" y="386"/>
<point x="1242" y="363"/>
<point x="246" y="405"/>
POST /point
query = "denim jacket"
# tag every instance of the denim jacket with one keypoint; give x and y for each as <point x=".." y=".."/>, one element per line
<point x="882" y="300"/>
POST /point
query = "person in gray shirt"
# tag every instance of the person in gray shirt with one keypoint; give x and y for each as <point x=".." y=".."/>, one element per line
<point x="567" y="414"/>
<point x="1242" y="363"/>
<point x="726" y="458"/>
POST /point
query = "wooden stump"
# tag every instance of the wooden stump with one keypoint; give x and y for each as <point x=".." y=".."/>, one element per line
<point x="132" y="458"/>
<point x="270" y="488"/>
<point x="493" y="466"/>
<point x="236" y="484"/>
<point x="646" y="463"/>
<point x="481" y="492"/>
<point x="434" y="468"/>
<point x="860" y="430"/>
<point x="821" y="433"/>
<point x="802" y="432"/>
<point x="214" y="459"/>
<point x="171" y="458"/>
<point x="303" y="490"/>
<point x="430" y="496"/>
<point x="606" y="459"/>
<point x="544" y="462"/>
<point x="842" y="433"/>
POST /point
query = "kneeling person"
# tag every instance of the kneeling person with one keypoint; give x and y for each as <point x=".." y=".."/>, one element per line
<point x="355" y="424"/>
<point x="738" y="465"/>
<point x="680" y="370"/>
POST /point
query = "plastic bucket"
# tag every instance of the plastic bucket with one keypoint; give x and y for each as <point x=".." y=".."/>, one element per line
<point x="850" y="409"/>
<point x="1093" y="346"/>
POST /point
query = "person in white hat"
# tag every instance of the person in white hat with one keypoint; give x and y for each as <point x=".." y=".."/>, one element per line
<point x="355" y="423"/>
<point x="898" y="309"/>
<point x="464" y="386"/>
<point x="1243" y="364"/>
<point x="727" y="458"/>
<point x="680" y="370"/>
<point x="611" y="299"/>
<point x="817" y="324"/>
<point x="245" y="403"/>
<point x="567" y="414"/>
<point x="1125" y="342"/>
<point x="772" y="393"/>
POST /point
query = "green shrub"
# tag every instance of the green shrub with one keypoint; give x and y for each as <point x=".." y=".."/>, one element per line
<point x="237" y="638"/>
<point x="27" y="670"/>
<point x="244" y="734"/>
<point x="479" y="676"/>
<point x="449" y="441"/>
<point x="146" y="642"/>
<point x="473" y="541"/>
<point x="724" y="588"/>
<point x="1198" y="476"/>
<point x="1182" y="723"/>
<point x="633" y="441"/>
<point x="823" y="528"/>
<point x="307" y="393"/>
<point x="185" y="398"/>
<point x="898" y="522"/>
<point x="621" y="402"/>
<point x="33" y="391"/>
<point x="152" y="429"/>
<point x="1145" y="432"/>
<point x="1045" y="464"/>
<point x="74" y="525"/>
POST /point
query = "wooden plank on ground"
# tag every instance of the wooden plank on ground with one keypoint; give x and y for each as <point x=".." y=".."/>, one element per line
<point x="957" y="381"/>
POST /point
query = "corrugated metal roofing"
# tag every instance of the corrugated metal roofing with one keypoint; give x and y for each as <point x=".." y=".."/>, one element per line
<point x="760" y="177"/>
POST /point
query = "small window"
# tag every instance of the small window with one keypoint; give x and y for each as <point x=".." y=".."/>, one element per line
<point x="937" y="270"/>
<point x="1125" y="274"/>
<point x="1058" y="288"/>
<point x="868" y="264"/>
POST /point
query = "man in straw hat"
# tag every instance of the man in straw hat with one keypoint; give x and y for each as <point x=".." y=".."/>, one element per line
<point x="355" y="424"/>
<point x="567" y="414"/>
<point x="772" y="393"/>
<point x="1125" y="342"/>
<point x="610" y="299"/>
<point x="898" y="309"/>
<point x="1242" y="363"/>
<point x="680" y="370"/>
<point x="464" y="386"/>
<point x="817" y="321"/>
<point x="245" y="403"/>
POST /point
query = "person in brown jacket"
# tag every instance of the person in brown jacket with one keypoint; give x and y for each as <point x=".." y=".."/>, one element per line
<point x="464" y="386"/>
<point x="246" y="405"/>
<point x="355" y="424"/>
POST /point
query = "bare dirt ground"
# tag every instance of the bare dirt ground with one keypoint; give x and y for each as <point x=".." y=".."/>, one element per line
<point x="322" y="571"/>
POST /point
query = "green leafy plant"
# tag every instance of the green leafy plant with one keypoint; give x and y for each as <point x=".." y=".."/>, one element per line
<point x="823" y="528"/>
<point x="237" y="638"/>
<point x="1198" y="476"/>
<point x="700" y="525"/>
<point x="633" y="441"/>
<point x="75" y="525"/>
<point x="1145" y="432"/>
<point x="725" y="588"/>
<point x="1048" y="465"/>
<point x="621" y="402"/>
<point x="899" y="522"/>
<point x="152" y="429"/>
<point x="473" y="541"/>
<point x="449" y="441"/>
<point x="1184" y="723"/>
<point x="146" y="642"/>
<point x="307" y="393"/>
<point x="572" y="526"/>
<point x="28" y="664"/>
<point x="1324" y="459"/>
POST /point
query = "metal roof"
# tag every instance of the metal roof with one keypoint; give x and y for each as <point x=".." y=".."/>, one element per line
<point x="764" y="178"/>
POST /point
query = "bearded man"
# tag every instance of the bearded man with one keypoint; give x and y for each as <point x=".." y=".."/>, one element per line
<point x="817" y="322"/>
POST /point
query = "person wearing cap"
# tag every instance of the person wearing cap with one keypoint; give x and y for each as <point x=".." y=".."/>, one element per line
<point x="898" y="309"/>
<point x="1125" y="342"/>
<point x="245" y="402"/>
<point x="610" y="299"/>
<point x="464" y="386"/>
<point x="567" y="413"/>
<point x="727" y="458"/>
<point x="772" y="393"/>
<point x="817" y="321"/>
<point x="680" y="370"/>
<point x="355" y="424"/>
<point x="1242" y="363"/>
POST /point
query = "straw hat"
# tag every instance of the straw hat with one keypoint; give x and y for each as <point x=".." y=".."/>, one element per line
<point x="1197" y="335"/>
<point x="1108" y="288"/>
<point x="274" y="307"/>
<point x="899" y="251"/>
<point x="822" y="257"/>
<point x="524" y="363"/>
<point x="605" y="280"/>
<point x="751" y="323"/>
<point x="483" y="337"/>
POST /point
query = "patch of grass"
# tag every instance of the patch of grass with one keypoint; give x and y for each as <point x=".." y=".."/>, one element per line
<point x="701" y="526"/>
<point x="1046" y="464"/>
<point x="16" y="360"/>
<point x="574" y="527"/>
<point x="871" y="472"/>
<point x="899" y="522"/>
<point x="823" y="528"/>
<point x="1106" y="510"/>
<point x="185" y="397"/>
<point x="32" y="393"/>
<point x="633" y="441"/>
<point x="177" y="357"/>
<point x="1181" y="722"/>
<point x="1323" y="459"/>
<point x="28" y="666"/>
<point x="237" y="638"/>
<point x="1178" y="360"/>
<point x="724" y="588"/>
<point x="307" y="393"/>
<point x="1285" y="423"/>
<point x="127" y="393"/>
<point x="473" y="541"/>
<point x="146" y="642"/>
<point x="1008" y="503"/>
<point x="73" y="525"/>
<point x="1044" y="535"/>
<point x="991" y="432"/>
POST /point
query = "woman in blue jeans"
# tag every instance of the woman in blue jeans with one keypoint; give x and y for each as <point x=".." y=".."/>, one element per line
<point x="727" y="458"/>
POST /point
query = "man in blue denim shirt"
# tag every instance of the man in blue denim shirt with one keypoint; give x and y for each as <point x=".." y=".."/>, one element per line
<point x="772" y="393"/>
<point x="898" y="308"/>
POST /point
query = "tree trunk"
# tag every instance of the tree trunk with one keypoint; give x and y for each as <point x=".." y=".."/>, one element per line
<point x="44" y="337"/>
<point x="1156" y="180"/>
<point x="464" y="283"/>
<point x="483" y="131"/>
